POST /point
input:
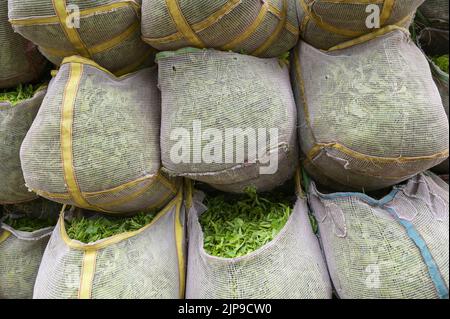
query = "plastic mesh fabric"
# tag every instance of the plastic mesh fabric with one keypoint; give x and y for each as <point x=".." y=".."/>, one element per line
<point x="291" y="266"/>
<point x="370" y="254"/>
<point x="222" y="90"/>
<point x="97" y="28"/>
<point x="144" y="266"/>
<point x="436" y="11"/>
<point x="377" y="100"/>
<point x="20" y="60"/>
<point x="15" y="122"/>
<point x="349" y="15"/>
<point x="217" y="27"/>
<point x="21" y="255"/>
<point x="115" y="141"/>
<point x="441" y="80"/>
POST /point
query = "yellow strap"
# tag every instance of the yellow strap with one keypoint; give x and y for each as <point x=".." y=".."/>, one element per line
<point x="71" y="33"/>
<point x="388" y="5"/>
<point x="188" y="193"/>
<point x="179" y="240"/>
<point x="182" y="25"/>
<point x="367" y="37"/>
<point x="4" y="236"/>
<point x="87" y="274"/>
<point x="67" y="110"/>
<point x="116" y="40"/>
<point x="375" y="159"/>
<point x="276" y="33"/>
<point x="250" y="30"/>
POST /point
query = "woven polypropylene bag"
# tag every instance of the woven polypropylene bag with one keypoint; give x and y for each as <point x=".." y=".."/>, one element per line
<point x="145" y="264"/>
<point x="106" y="31"/>
<point x="370" y="115"/>
<point x="20" y="59"/>
<point x="395" y="247"/>
<point x="95" y="141"/>
<point x="436" y="11"/>
<point x="15" y="121"/>
<point x="326" y="23"/>
<point x="223" y="91"/>
<point x="20" y="257"/>
<point x="441" y="79"/>
<point x="290" y="266"/>
<point x="261" y="28"/>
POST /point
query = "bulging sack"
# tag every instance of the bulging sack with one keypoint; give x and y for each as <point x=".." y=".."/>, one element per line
<point x="145" y="264"/>
<point x="15" y="121"/>
<point x="261" y="28"/>
<point x="226" y="118"/>
<point x="21" y="253"/>
<point x="395" y="247"/>
<point x="436" y="12"/>
<point x="20" y="60"/>
<point x="291" y="266"/>
<point x="326" y="23"/>
<point x="441" y="80"/>
<point x="106" y="31"/>
<point x="95" y="141"/>
<point x="370" y="114"/>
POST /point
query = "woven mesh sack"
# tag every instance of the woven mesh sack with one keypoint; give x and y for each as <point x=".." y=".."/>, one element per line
<point x="261" y="28"/>
<point x="436" y="11"/>
<point x="20" y="60"/>
<point x="38" y="208"/>
<point x="106" y="31"/>
<point x="441" y="80"/>
<point x="291" y="266"/>
<point x="395" y="247"/>
<point x="15" y="121"/>
<point x="222" y="91"/>
<point x="145" y="264"/>
<point x="370" y="114"/>
<point x="95" y="141"/>
<point x="326" y="23"/>
<point x="20" y="256"/>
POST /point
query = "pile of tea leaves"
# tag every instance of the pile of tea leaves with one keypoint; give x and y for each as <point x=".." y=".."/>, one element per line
<point x="29" y="224"/>
<point x="18" y="94"/>
<point x="89" y="230"/>
<point x="441" y="62"/>
<point x="234" y="227"/>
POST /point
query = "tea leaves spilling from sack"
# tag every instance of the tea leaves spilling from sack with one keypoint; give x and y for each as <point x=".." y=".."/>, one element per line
<point x="89" y="230"/>
<point x="234" y="228"/>
<point x="29" y="224"/>
<point x="19" y="94"/>
<point x="441" y="62"/>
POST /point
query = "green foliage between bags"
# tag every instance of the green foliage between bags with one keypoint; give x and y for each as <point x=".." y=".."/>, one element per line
<point x="441" y="62"/>
<point x="29" y="224"/>
<point x="234" y="228"/>
<point x="89" y="230"/>
<point x="19" y="94"/>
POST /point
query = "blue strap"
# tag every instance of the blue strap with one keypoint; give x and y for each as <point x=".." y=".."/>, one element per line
<point x="433" y="269"/>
